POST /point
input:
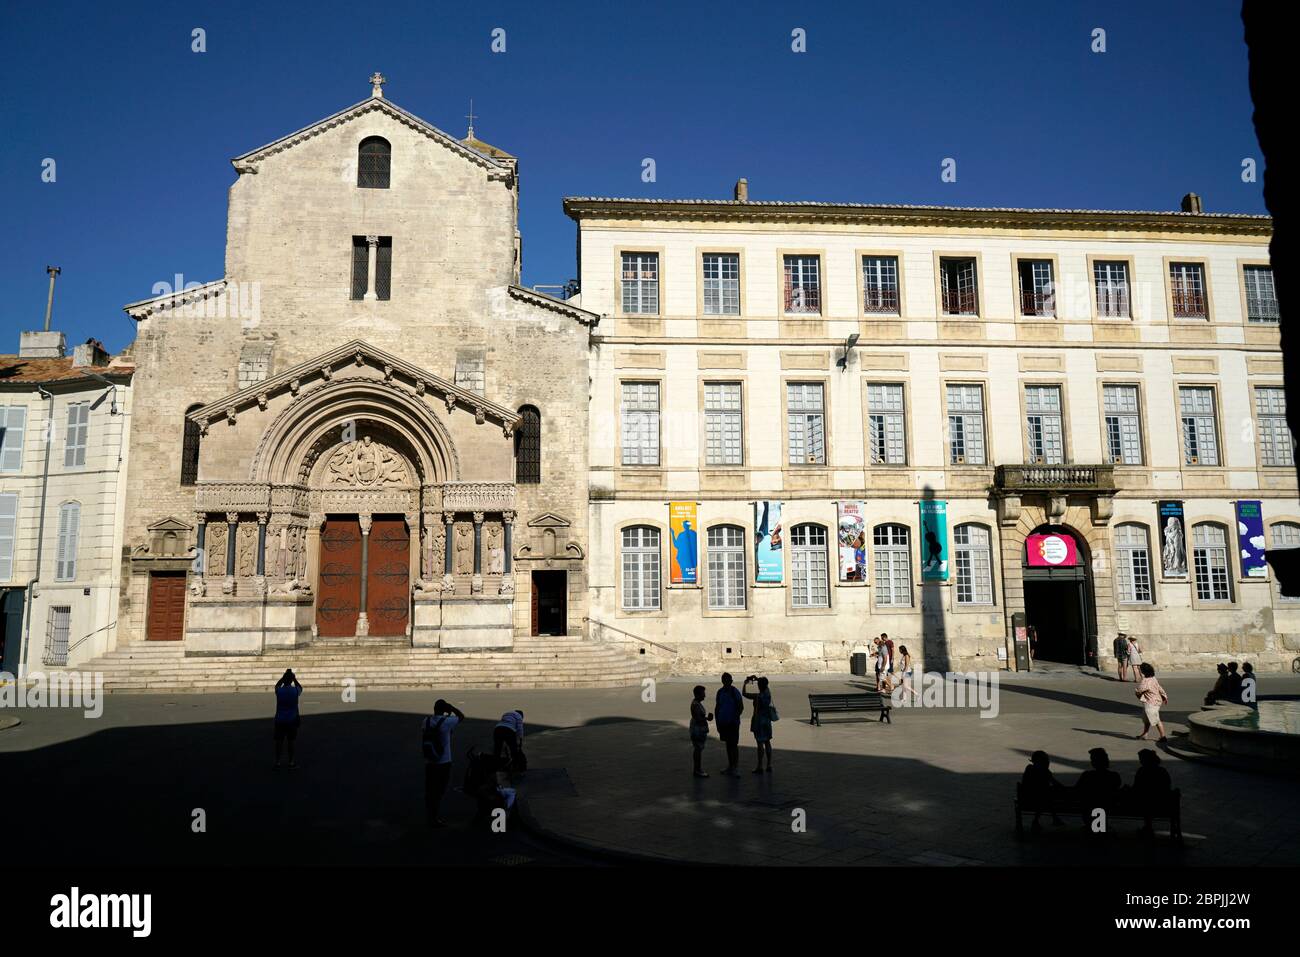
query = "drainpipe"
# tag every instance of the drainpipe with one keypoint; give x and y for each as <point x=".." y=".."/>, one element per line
<point x="40" y="528"/>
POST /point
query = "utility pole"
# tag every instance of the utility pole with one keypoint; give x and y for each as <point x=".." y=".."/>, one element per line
<point x="49" y="303"/>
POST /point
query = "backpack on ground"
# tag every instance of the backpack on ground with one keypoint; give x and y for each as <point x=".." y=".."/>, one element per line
<point x="431" y="738"/>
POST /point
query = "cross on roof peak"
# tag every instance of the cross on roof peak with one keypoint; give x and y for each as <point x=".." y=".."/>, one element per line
<point x="470" y="116"/>
<point x="377" y="81"/>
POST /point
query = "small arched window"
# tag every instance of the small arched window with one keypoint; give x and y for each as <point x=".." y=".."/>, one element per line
<point x="809" y="571"/>
<point x="1211" y="562"/>
<point x="528" y="447"/>
<point x="641" y="568"/>
<point x="190" y="449"/>
<point x="1285" y="535"/>
<point x="374" y="157"/>
<point x="1133" y="564"/>
<point x="893" y="554"/>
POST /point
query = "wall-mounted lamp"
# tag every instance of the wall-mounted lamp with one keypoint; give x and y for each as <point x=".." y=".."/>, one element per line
<point x="843" y="360"/>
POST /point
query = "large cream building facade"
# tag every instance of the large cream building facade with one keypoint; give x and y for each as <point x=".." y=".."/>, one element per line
<point x="1039" y="371"/>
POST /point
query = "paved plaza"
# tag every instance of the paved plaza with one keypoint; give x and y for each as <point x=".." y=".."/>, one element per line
<point x="609" y="781"/>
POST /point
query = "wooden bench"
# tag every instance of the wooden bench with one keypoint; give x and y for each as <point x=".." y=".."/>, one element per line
<point x="846" y="703"/>
<point x="1126" y="805"/>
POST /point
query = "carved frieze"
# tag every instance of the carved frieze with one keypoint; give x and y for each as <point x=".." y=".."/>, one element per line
<point x="479" y="496"/>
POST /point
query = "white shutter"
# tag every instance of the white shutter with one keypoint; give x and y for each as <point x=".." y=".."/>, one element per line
<point x="8" y="526"/>
<point x="69" y="531"/>
<point x="74" y="449"/>
<point x="13" y="420"/>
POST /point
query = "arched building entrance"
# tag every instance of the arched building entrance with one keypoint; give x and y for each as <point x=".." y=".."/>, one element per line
<point x="1060" y="606"/>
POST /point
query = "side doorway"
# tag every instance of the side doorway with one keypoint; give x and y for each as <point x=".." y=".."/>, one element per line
<point x="550" y="607"/>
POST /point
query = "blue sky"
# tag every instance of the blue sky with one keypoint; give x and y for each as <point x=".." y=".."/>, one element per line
<point x="142" y="128"/>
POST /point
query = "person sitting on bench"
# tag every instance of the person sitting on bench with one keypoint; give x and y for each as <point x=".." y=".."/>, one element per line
<point x="1151" y="787"/>
<point x="1099" y="786"/>
<point x="1040" y="786"/>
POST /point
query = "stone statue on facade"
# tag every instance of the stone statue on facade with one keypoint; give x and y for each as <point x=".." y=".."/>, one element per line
<point x="464" y="550"/>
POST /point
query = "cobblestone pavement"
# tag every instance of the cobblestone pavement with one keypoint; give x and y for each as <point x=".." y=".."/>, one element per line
<point x="609" y="776"/>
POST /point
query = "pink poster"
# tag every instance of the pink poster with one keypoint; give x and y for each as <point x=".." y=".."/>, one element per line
<point x="1052" y="551"/>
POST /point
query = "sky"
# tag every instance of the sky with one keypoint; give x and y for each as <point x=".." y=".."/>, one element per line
<point x="141" y="128"/>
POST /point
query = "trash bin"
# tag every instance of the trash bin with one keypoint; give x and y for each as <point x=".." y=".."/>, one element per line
<point x="858" y="663"/>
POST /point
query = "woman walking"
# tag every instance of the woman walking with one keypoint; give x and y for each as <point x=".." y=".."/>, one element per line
<point x="1134" y="657"/>
<point x="700" y="718"/>
<point x="760" y="724"/>
<point x="1152" y="697"/>
<point x="905" y="671"/>
<point x="287" y="719"/>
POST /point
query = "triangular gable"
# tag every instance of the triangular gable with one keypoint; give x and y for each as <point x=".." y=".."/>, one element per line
<point x="549" y="520"/>
<point x="357" y="352"/>
<point x="495" y="169"/>
<point x="170" y="525"/>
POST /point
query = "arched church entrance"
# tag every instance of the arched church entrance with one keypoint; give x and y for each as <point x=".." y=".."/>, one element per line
<point x="1060" y="608"/>
<point x="364" y="566"/>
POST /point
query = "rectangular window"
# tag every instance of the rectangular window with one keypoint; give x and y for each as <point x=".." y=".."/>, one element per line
<point x="360" y="268"/>
<point x="57" y="627"/>
<point x="974" y="565"/>
<point x="1037" y="291"/>
<point x="958" y="286"/>
<point x="641" y="283"/>
<point x="8" y="530"/>
<point x="1043" y="428"/>
<point x="966" y="425"/>
<point x="880" y="285"/>
<point x="723" y="424"/>
<point x="1210" y="558"/>
<point x="13" y="423"/>
<point x="1261" y="296"/>
<point x="810" y="584"/>
<point x="893" y="559"/>
<point x="1123" y="424"/>
<point x="1134" y="565"/>
<point x="803" y="284"/>
<point x="1187" y="289"/>
<point x="640" y="414"/>
<point x="65" y="554"/>
<point x="726" y="568"/>
<point x="885" y="424"/>
<point x="721" y="284"/>
<point x="806" y="423"/>
<point x="641" y="570"/>
<point x="384" y="268"/>
<point x="1110" y="278"/>
<point x="1275" y="445"/>
<point x="1200" y="438"/>
<point x="74" y="446"/>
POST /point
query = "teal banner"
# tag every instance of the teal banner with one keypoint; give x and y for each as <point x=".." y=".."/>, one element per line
<point x="934" y="541"/>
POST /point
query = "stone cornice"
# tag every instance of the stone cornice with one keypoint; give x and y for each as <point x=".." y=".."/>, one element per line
<point x="582" y="207"/>
<point x="247" y="163"/>
<point x="587" y="318"/>
<point x="174" y="300"/>
<point x="357" y="352"/>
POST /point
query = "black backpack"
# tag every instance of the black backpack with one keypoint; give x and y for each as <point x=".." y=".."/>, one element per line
<point x="431" y="738"/>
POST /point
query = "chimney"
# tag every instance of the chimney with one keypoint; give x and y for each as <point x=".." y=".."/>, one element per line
<point x="41" y="345"/>
<point x="90" y="353"/>
<point x="1192" y="204"/>
<point x="742" y="190"/>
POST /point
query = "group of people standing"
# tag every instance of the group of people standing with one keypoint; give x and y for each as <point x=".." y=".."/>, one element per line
<point x="891" y="672"/>
<point x="728" y="706"/>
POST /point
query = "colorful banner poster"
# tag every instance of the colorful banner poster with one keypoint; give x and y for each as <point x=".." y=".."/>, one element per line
<point x="1052" y="551"/>
<point x="1250" y="538"/>
<point x="934" y="541"/>
<point x="1173" y="540"/>
<point x="685" y="550"/>
<point x="769" y="542"/>
<point x="852" y="538"/>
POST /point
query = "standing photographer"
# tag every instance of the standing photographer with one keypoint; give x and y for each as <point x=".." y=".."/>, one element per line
<point x="760" y="725"/>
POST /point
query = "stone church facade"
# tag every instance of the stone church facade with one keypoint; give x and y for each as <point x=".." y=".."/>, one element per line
<point x="366" y="428"/>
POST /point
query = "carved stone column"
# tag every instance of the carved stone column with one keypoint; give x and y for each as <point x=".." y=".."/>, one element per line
<point x="232" y="543"/>
<point x="476" y="586"/>
<point x="449" y="523"/>
<point x="262" y="518"/>
<point x="372" y="257"/>
<point x="201" y="542"/>
<point x="363" y="621"/>
<point x="314" y="523"/>
<point x="508" y="574"/>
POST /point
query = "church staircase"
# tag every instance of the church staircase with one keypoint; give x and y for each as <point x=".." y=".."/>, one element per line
<point x="375" y="664"/>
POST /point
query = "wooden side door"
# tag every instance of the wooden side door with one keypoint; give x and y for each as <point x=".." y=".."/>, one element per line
<point x="338" y="598"/>
<point x="165" y="614"/>
<point x="388" y="577"/>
